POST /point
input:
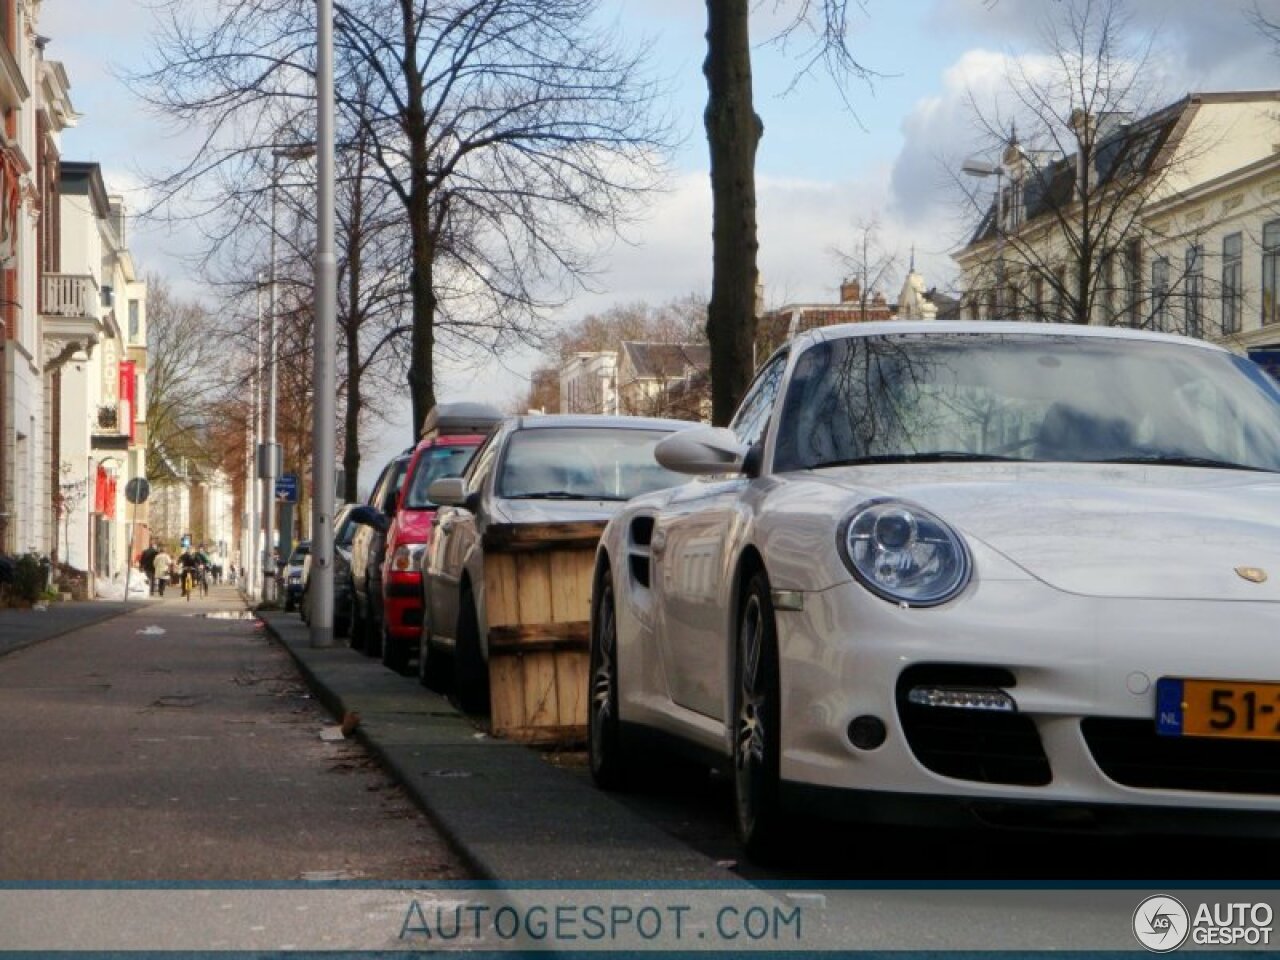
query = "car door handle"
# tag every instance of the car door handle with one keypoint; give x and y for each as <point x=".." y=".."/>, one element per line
<point x="658" y="543"/>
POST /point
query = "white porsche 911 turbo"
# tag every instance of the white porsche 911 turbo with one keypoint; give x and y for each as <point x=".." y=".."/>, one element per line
<point x="1018" y="572"/>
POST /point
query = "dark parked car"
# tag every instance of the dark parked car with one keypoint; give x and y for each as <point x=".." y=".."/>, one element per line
<point x="292" y="575"/>
<point x="343" y="530"/>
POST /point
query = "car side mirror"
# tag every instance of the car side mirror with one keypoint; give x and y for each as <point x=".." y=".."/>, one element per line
<point x="449" y="492"/>
<point x="371" y="517"/>
<point x="702" y="451"/>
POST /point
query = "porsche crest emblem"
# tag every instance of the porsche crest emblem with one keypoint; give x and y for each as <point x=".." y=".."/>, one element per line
<point x="1252" y="574"/>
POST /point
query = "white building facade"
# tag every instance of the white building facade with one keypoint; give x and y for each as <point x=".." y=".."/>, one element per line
<point x="1200" y="252"/>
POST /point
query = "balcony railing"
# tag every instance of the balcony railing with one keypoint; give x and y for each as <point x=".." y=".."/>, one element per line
<point x="69" y="295"/>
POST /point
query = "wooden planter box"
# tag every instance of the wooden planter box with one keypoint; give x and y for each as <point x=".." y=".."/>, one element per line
<point x="538" y="598"/>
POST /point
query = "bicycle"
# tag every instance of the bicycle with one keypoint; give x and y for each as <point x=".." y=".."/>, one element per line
<point x="188" y="583"/>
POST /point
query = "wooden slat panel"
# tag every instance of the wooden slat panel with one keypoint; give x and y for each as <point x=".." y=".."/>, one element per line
<point x="565" y="736"/>
<point x="530" y="637"/>
<point x="571" y="585"/>
<point x="541" y="706"/>
<point x="501" y="589"/>
<point x="506" y="694"/>
<point x="533" y="572"/>
<point x="572" y="686"/>
<point x="543" y="536"/>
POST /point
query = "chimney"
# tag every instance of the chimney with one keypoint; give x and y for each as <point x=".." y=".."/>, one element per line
<point x="850" y="291"/>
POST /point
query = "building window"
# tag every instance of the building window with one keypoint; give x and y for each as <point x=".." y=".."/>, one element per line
<point x="1232" y="281"/>
<point x="1133" y="282"/>
<point x="1109" y="287"/>
<point x="1270" y="271"/>
<point x="1160" y="293"/>
<point x="134" y="321"/>
<point x="1037" y="295"/>
<point x="1194" y="307"/>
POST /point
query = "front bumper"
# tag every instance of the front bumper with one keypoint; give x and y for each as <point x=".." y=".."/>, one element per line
<point x="1083" y="674"/>
<point x="402" y="606"/>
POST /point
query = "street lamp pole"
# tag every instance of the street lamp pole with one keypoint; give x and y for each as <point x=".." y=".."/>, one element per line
<point x="326" y="308"/>
<point x="980" y="168"/>
<point x="270" y="468"/>
<point x="255" y="516"/>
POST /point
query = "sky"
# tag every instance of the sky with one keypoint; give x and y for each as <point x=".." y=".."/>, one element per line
<point x="825" y="167"/>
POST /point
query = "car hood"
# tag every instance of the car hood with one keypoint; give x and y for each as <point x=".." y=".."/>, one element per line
<point x="554" y="511"/>
<point x="1105" y="530"/>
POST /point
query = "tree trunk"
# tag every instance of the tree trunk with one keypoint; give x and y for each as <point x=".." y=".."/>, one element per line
<point x="351" y="414"/>
<point x="733" y="131"/>
<point x="421" y="249"/>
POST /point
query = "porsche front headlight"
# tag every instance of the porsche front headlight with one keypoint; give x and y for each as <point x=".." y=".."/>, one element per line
<point x="904" y="553"/>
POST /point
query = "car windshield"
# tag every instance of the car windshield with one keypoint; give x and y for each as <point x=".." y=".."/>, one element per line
<point x="938" y="397"/>
<point x="583" y="463"/>
<point x="432" y="465"/>
<point x="344" y="529"/>
<point x="299" y="552"/>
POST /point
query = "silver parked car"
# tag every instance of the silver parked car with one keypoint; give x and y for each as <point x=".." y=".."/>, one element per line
<point x="532" y="470"/>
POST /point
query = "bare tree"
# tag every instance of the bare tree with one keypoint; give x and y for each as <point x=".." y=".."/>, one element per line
<point x="185" y="364"/>
<point x="1080" y="154"/>
<point x="511" y="133"/>
<point x="869" y="262"/>
<point x="819" y="28"/>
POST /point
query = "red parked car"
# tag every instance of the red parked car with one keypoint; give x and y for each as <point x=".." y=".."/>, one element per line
<point x="450" y="436"/>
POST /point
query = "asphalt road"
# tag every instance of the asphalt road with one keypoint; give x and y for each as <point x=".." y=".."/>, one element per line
<point x="189" y="754"/>
<point x="696" y="805"/>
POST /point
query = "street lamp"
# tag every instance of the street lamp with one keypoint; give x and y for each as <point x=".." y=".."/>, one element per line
<point x="326" y="311"/>
<point x="270" y="459"/>
<point x="981" y="169"/>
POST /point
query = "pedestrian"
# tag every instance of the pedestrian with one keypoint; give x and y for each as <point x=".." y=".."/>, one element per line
<point x="149" y="567"/>
<point x="162" y="564"/>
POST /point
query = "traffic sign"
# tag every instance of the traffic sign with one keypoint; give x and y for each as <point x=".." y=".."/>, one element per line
<point x="137" y="490"/>
<point x="287" y="488"/>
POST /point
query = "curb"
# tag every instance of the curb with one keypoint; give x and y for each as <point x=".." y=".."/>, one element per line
<point x="509" y="814"/>
<point x="337" y="707"/>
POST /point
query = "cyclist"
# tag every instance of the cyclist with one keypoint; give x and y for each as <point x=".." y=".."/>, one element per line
<point x="189" y="565"/>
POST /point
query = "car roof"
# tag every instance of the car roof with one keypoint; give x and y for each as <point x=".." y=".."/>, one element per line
<point x="898" y="327"/>
<point x="552" y="420"/>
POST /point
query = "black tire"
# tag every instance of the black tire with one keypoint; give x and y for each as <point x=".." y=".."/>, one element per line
<point x="356" y="636"/>
<point x="395" y="653"/>
<point x="604" y="736"/>
<point x="373" y="638"/>
<point x="288" y="602"/>
<point x="470" y="672"/>
<point x="756" y="718"/>
<point x="431" y="663"/>
<point x="371" y="630"/>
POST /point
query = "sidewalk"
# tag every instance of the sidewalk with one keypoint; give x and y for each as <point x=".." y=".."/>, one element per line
<point x="510" y="812"/>
<point x="21" y="628"/>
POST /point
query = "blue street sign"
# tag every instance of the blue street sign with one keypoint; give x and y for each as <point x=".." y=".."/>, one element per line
<point x="287" y="488"/>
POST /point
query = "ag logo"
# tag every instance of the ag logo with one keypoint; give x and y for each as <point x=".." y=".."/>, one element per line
<point x="1161" y="923"/>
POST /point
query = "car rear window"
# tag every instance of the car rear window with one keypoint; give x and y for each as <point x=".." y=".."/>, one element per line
<point x="583" y="463"/>
<point x="433" y="464"/>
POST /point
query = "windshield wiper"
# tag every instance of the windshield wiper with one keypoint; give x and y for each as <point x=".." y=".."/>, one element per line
<point x="930" y="456"/>
<point x="1174" y="460"/>
<point x="560" y="495"/>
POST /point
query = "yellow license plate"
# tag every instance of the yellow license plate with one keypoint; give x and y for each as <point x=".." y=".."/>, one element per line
<point x="1217" y="708"/>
